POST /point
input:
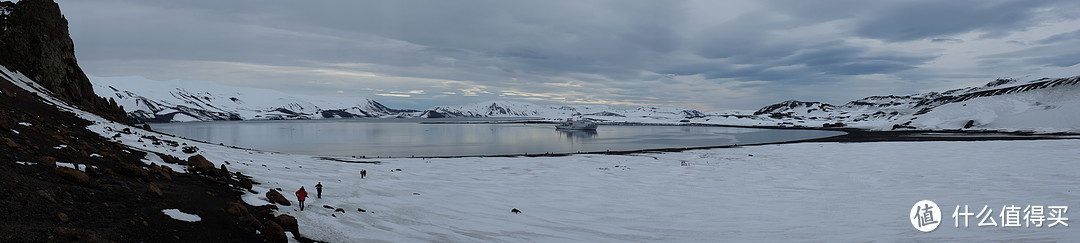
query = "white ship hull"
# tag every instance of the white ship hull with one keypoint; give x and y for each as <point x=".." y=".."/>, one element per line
<point x="577" y="125"/>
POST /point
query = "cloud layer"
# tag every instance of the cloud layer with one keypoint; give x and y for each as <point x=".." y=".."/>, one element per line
<point x="696" y="54"/>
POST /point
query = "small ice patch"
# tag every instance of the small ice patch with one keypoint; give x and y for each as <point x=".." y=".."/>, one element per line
<point x="96" y="156"/>
<point x="177" y="215"/>
<point x="25" y="124"/>
<point x="81" y="167"/>
<point x="13" y="130"/>
<point x="25" y="163"/>
<point x="62" y="146"/>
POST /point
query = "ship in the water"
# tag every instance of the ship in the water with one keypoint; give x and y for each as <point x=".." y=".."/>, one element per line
<point x="580" y="124"/>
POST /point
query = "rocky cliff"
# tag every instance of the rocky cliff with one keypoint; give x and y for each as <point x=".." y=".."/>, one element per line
<point x="64" y="182"/>
<point x="34" y="41"/>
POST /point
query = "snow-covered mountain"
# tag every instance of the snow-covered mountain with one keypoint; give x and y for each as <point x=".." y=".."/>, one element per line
<point x="179" y="100"/>
<point x="598" y="112"/>
<point x="1046" y="105"/>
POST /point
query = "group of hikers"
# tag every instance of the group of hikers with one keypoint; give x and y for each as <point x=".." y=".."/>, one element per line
<point x="301" y="194"/>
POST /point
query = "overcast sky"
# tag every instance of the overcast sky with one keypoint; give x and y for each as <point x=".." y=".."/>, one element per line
<point x="708" y="55"/>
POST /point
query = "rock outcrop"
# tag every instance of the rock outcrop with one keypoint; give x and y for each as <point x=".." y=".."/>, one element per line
<point x="34" y="40"/>
<point x="276" y="197"/>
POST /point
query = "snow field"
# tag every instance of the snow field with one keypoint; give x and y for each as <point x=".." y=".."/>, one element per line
<point x="826" y="191"/>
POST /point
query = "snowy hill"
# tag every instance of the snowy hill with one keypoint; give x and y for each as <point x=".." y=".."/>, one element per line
<point x="1044" y="105"/>
<point x="178" y="100"/>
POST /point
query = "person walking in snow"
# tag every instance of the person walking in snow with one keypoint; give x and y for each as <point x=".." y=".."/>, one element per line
<point x="363" y="173"/>
<point x="301" y="195"/>
<point x="318" y="189"/>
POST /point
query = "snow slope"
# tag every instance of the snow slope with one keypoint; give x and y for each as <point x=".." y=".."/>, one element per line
<point x="836" y="192"/>
<point x="180" y="100"/>
<point x="1042" y="105"/>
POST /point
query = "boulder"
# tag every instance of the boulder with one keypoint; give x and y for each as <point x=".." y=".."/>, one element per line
<point x="276" y="197"/>
<point x="63" y="217"/>
<point x="224" y="171"/>
<point x="273" y="232"/>
<point x="288" y="222"/>
<point x="73" y="175"/>
<point x="160" y="171"/>
<point x="155" y="190"/>
<point x="133" y="171"/>
<point x="236" y="209"/>
<point x="244" y="181"/>
<point x="46" y="196"/>
<point x="189" y="149"/>
<point x="10" y="143"/>
<point x="48" y="160"/>
<point x="241" y="212"/>
<point x="201" y="164"/>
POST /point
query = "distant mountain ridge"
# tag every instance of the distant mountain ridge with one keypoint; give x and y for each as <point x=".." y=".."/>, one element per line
<point x="999" y="105"/>
<point x="170" y="101"/>
<point x="178" y="101"/>
<point x="1002" y="104"/>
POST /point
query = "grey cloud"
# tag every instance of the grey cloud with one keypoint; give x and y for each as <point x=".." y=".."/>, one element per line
<point x="913" y="20"/>
<point x="819" y="63"/>
<point x="1060" y="38"/>
<point x="1054" y="51"/>
<point x="613" y="49"/>
<point x="947" y="40"/>
<point x="898" y="21"/>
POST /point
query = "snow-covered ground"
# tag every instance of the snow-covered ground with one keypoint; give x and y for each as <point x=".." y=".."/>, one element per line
<point x="839" y="192"/>
<point x="812" y="191"/>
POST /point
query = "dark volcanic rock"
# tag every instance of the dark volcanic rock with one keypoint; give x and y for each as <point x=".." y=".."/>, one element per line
<point x="35" y="41"/>
<point x="201" y="164"/>
<point x="108" y="205"/>
<point x="276" y="197"/>
<point x="73" y="175"/>
<point x="274" y="232"/>
<point x="288" y="223"/>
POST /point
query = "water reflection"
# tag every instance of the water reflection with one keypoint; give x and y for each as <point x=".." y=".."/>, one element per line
<point x="578" y="133"/>
<point x="404" y="138"/>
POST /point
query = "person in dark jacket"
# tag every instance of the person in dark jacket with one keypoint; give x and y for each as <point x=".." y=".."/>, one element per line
<point x="318" y="189"/>
<point x="301" y="195"/>
<point x="363" y="173"/>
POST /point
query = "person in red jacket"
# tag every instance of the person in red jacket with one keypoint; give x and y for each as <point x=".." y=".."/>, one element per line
<point x="301" y="195"/>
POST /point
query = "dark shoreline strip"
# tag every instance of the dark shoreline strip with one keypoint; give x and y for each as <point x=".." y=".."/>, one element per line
<point x="853" y="135"/>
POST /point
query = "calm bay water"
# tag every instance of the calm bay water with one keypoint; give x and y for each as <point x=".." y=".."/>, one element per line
<point x="409" y="137"/>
